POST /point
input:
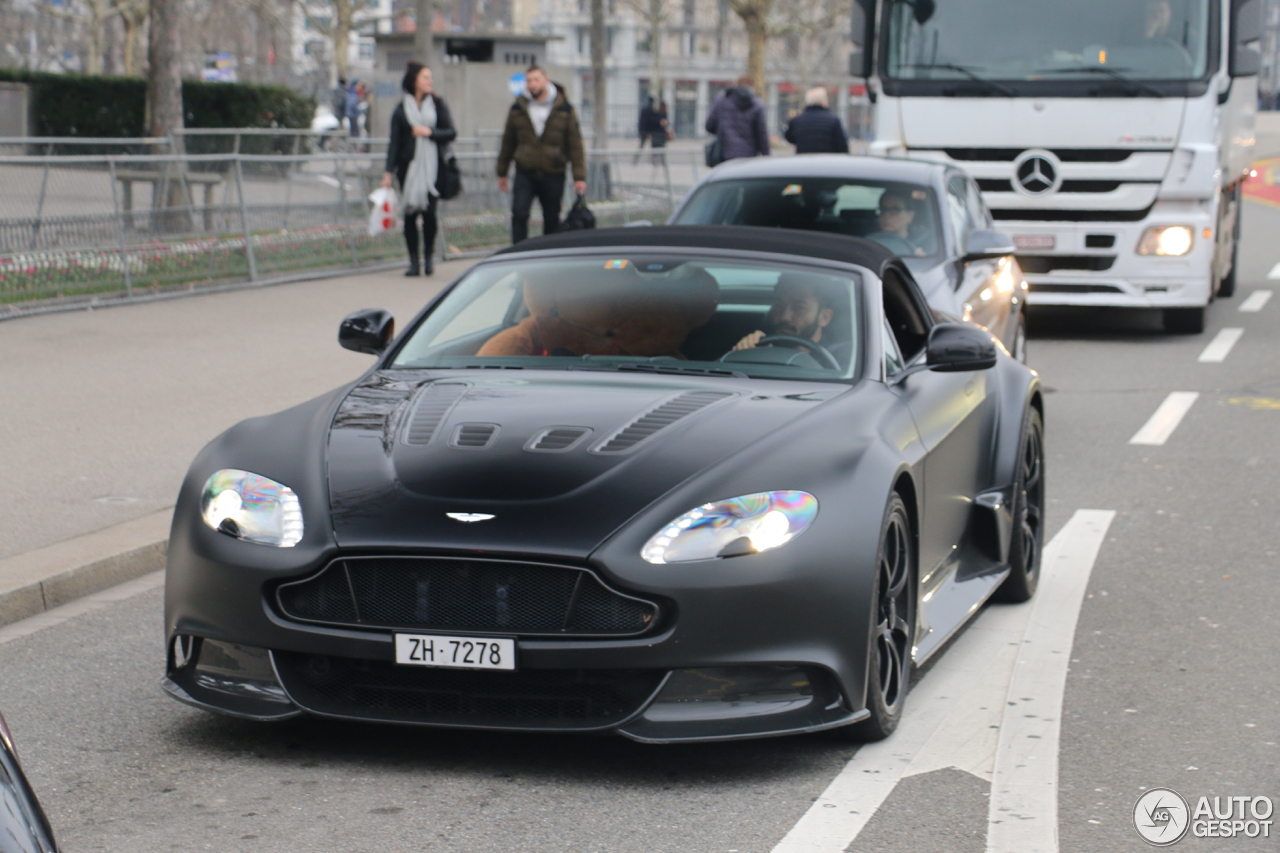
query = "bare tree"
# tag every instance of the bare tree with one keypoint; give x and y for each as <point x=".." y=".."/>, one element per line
<point x="599" y="80"/>
<point x="93" y="17"/>
<point x="654" y="13"/>
<point x="164" y="107"/>
<point x="818" y="28"/>
<point x="337" y="27"/>
<point x="134" y="15"/>
<point x="755" y="17"/>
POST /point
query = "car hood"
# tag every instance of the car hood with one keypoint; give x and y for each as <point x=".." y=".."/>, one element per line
<point x="558" y="459"/>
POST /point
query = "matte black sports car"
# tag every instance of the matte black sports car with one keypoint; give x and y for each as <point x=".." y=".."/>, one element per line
<point x="23" y="825"/>
<point x="688" y="483"/>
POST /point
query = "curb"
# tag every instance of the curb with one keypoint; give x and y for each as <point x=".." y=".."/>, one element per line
<point x="49" y="577"/>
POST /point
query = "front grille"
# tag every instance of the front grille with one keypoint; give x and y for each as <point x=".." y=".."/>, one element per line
<point x="1041" y="264"/>
<point x="1039" y="287"/>
<point x="1060" y="215"/>
<point x="536" y="699"/>
<point x="1066" y="155"/>
<point x="470" y="595"/>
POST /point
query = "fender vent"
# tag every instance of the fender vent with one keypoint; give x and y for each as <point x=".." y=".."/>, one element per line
<point x="659" y="418"/>
<point x="474" y="436"/>
<point x="557" y="439"/>
<point x="434" y="404"/>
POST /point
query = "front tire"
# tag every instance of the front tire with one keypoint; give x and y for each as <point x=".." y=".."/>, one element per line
<point x="1028" y="515"/>
<point x="893" y="627"/>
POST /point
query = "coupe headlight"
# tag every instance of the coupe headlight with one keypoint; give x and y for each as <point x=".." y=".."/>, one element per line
<point x="1168" y="240"/>
<point x="253" y="508"/>
<point x="744" y="525"/>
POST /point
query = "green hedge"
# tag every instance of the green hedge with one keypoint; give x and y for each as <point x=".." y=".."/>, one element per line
<point x="92" y="105"/>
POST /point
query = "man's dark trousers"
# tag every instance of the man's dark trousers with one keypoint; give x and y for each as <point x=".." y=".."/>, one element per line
<point x="548" y="189"/>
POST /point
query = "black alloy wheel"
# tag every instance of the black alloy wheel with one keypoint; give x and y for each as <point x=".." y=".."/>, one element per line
<point x="1028" y="515"/>
<point x="893" y="628"/>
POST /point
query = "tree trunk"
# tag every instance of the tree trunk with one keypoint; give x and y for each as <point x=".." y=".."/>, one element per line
<point x="755" y="17"/>
<point x="164" y="109"/>
<point x="424" y="14"/>
<point x="655" y="49"/>
<point x="343" y="15"/>
<point x="599" y="80"/>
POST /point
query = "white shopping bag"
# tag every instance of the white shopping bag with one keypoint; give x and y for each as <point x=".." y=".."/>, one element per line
<point x="383" y="216"/>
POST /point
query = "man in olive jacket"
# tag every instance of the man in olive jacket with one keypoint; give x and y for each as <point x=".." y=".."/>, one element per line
<point x="542" y="137"/>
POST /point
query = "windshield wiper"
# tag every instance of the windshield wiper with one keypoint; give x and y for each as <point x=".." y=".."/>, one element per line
<point x="968" y="72"/>
<point x="667" y="368"/>
<point x="1113" y="73"/>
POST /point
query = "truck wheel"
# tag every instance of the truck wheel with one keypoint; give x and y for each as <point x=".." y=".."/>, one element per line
<point x="1184" y="321"/>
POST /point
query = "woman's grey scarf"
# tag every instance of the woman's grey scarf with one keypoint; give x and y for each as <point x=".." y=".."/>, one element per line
<point x="420" y="182"/>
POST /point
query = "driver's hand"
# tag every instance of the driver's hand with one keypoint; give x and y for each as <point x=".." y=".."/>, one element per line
<point x="750" y="341"/>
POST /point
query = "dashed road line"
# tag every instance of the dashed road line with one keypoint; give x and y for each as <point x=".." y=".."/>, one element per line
<point x="1023" y="812"/>
<point x="949" y="721"/>
<point x="79" y="607"/>
<point x="1216" y="351"/>
<point x="1274" y="275"/>
<point x="1253" y="304"/>
<point x="1157" y="430"/>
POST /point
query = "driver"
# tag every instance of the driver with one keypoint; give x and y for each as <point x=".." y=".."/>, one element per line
<point x="897" y="212"/>
<point x="801" y="308"/>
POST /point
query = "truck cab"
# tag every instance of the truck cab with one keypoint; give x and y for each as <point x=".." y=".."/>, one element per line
<point x="1109" y="139"/>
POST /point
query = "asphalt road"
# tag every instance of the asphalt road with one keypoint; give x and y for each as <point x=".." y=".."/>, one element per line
<point x="1172" y="681"/>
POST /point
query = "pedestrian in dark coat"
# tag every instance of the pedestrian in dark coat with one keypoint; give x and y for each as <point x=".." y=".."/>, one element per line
<point x="541" y="137"/>
<point x="353" y="108"/>
<point x="738" y="119"/>
<point x="421" y="130"/>
<point x="817" y="130"/>
<point x="338" y="100"/>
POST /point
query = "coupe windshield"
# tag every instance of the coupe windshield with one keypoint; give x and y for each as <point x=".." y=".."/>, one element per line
<point x="1047" y="39"/>
<point x="642" y="311"/>
<point x="901" y="217"/>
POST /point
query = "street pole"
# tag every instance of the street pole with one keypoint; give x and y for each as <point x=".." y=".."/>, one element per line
<point x="424" y="13"/>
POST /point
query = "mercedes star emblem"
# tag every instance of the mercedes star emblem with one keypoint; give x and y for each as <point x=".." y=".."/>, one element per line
<point x="469" y="516"/>
<point x="1037" y="173"/>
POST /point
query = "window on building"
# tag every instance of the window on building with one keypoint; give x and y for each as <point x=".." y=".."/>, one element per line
<point x="688" y="43"/>
<point x="366" y="50"/>
<point x="689" y="11"/>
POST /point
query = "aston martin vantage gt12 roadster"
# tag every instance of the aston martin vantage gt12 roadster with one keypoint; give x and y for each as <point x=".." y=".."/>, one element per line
<point x="680" y="484"/>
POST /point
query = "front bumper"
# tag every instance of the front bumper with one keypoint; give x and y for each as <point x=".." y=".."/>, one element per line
<point x="1116" y="275"/>
<point x="742" y="649"/>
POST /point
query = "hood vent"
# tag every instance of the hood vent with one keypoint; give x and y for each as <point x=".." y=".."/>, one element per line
<point x="659" y="418"/>
<point x="557" y="439"/>
<point x="474" y="436"/>
<point x="434" y="404"/>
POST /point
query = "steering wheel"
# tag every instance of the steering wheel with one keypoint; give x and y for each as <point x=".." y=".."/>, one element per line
<point x="818" y="351"/>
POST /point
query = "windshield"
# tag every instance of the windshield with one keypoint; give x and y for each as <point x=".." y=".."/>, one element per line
<point x="899" y="216"/>
<point x="643" y="311"/>
<point x="1047" y="39"/>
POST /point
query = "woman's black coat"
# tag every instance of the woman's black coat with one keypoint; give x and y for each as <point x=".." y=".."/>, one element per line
<point x="401" y="147"/>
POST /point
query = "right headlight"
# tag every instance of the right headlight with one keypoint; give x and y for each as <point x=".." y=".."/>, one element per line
<point x="1168" y="240"/>
<point x="743" y="525"/>
<point x="252" y="507"/>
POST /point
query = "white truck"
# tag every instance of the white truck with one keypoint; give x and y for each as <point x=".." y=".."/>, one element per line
<point x="1109" y="137"/>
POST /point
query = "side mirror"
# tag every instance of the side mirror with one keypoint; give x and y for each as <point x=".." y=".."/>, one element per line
<point x="1246" y="38"/>
<point x="368" y="330"/>
<point x="956" y="347"/>
<point x="862" y="34"/>
<point x="984" y="245"/>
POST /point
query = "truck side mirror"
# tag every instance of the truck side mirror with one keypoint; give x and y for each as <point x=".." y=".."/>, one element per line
<point x="368" y="330"/>
<point x="1246" y="38"/>
<point x="862" y="33"/>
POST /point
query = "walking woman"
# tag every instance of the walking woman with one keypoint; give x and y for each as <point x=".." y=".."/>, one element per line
<point x="421" y="130"/>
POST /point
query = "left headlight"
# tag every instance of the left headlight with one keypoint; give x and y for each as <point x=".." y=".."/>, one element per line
<point x="743" y="525"/>
<point x="253" y="508"/>
<point x="1171" y="241"/>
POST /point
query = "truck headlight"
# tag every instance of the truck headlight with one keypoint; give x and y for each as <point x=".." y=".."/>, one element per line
<point x="253" y="508"/>
<point x="744" y="525"/>
<point x="1169" y="240"/>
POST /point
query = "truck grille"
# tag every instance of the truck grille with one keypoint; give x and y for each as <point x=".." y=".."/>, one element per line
<point x="536" y="699"/>
<point x="455" y="594"/>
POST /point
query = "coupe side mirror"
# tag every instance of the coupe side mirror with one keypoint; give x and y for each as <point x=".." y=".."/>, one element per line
<point x="956" y="347"/>
<point x="985" y="245"/>
<point x="369" y="330"/>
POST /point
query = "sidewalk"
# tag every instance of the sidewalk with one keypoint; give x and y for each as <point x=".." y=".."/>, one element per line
<point x="104" y="410"/>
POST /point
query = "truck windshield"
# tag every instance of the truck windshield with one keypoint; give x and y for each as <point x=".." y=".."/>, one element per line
<point x="1047" y="39"/>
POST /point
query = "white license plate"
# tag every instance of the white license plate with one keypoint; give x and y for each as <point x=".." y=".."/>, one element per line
<point x="1034" y="241"/>
<point x="455" y="652"/>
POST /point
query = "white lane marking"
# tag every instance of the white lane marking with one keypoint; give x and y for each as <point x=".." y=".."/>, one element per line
<point x="1275" y="273"/>
<point x="1216" y="351"/>
<point x="1166" y="418"/>
<point x="948" y="723"/>
<point x="1023" y="814"/>
<point x="80" y="606"/>
<point x="1256" y="300"/>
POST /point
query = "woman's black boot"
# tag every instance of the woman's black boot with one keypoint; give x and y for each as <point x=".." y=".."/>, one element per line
<point x="428" y="267"/>
<point x="413" y="265"/>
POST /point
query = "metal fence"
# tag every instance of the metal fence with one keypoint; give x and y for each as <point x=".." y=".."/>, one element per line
<point x="85" y="229"/>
